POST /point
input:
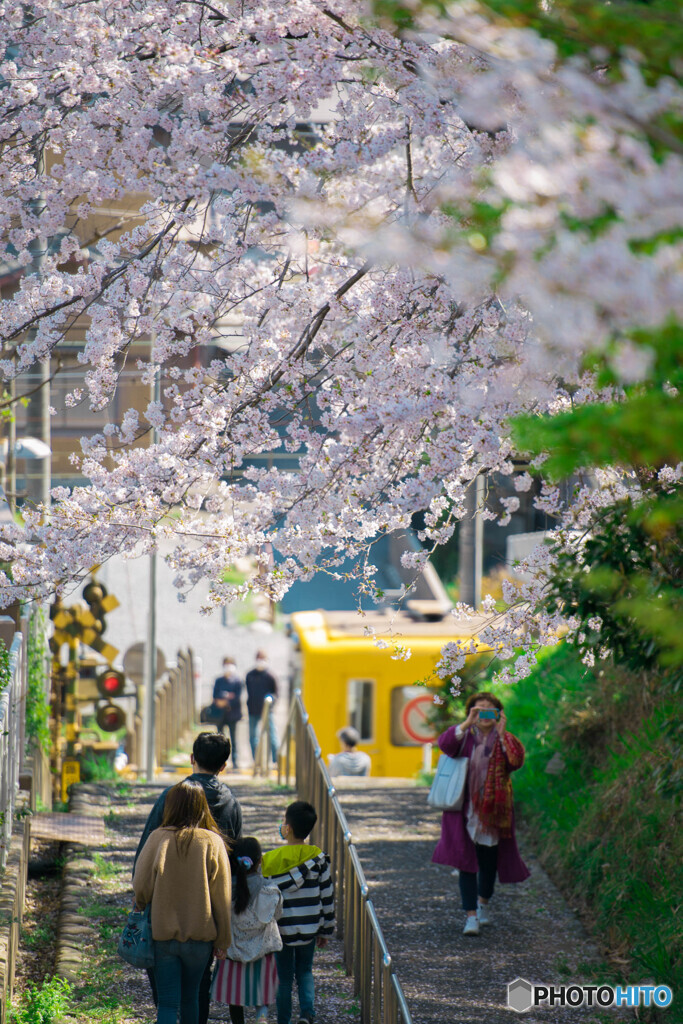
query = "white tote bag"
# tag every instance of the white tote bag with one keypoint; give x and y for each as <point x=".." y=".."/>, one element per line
<point x="447" y="792"/>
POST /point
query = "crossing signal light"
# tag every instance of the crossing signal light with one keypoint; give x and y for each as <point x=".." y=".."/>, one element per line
<point x="93" y="623"/>
<point x="110" y="683"/>
<point x="110" y="717"/>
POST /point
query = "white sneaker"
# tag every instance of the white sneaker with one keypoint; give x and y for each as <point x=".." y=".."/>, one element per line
<point x="483" y="914"/>
<point x="471" y="926"/>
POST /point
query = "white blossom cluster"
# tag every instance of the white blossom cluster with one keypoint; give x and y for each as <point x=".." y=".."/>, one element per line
<point x="316" y="181"/>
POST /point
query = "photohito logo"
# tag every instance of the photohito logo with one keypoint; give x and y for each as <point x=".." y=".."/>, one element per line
<point x="522" y="995"/>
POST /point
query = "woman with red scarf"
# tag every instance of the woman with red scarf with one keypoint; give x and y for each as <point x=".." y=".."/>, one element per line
<point x="479" y="840"/>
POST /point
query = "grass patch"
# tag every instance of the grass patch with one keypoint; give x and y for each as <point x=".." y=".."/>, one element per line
<point x="105" y="868"/>
<point x="424" y="778"/>
<point x="42" y="1004"/>
<point x="38" y="937"/>
<point x="603" y="824"/>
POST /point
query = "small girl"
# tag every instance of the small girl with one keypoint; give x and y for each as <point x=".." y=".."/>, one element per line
<point x="248" y="974"/>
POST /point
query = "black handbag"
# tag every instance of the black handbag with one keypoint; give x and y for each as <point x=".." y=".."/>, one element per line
<point x="211" y="715"/>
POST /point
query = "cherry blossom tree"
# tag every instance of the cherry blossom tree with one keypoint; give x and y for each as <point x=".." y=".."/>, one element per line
<point x="421" y="232"/>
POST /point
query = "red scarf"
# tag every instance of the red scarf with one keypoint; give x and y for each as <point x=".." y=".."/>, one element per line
<point x="494" y="807"/>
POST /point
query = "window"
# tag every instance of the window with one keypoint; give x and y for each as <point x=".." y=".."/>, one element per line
<point x="360" y="716"/>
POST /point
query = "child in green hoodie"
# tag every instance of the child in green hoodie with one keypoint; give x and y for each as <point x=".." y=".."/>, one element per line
<point x="302" y="873"/>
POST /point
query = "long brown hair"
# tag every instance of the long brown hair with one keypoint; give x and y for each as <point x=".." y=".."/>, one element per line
<point x="185" y="810"/>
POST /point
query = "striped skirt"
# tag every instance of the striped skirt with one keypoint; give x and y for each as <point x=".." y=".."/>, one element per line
<point x="253" y="984"/>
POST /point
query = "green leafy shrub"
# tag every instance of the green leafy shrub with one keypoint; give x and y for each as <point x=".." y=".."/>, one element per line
<point x="44" y="1004"/>
<point x="607" y="820"/>
<point x="98" y="768"/>
<point x="37" y="708"/>
<point x="4" y="666"/>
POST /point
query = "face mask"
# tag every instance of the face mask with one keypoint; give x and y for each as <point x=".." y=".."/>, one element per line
<point x="283" y="837"/>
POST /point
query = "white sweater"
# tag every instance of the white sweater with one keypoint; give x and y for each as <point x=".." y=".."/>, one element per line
<point x="254" y="931"/>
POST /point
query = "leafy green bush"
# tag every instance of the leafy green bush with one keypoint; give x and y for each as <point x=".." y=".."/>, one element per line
<point x="42" y="1005"/>
<point x="4" y="666"/>
<point x="98" y="768"/>
<point x="605" y="824"/>
<point x="37" y="708"/>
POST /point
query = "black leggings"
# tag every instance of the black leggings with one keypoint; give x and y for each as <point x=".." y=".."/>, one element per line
<point x="482" y="882"/>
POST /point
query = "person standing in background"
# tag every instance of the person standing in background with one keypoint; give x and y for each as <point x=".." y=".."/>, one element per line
<point x="261" y="683"/>
<point x="227" y="692"/>
<point x="350" y="761"/>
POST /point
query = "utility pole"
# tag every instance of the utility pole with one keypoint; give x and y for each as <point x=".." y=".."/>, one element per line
<point x="151" y="649"/>
<point x="471" y="544"/>
<point x="38" y="471"/>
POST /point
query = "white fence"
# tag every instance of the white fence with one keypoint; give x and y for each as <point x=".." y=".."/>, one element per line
<point x="12" y="738"/>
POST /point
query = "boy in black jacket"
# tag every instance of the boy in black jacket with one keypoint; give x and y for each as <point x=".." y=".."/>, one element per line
<point x="302" y="873"/>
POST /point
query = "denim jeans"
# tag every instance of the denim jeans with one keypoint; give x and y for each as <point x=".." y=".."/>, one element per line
<point x="295" y="962"/>
<point x="204" y="991"/>
<point x="272" y="735"/>
<point x="178" y="970"/>
<point x="470" y="883"/>
<point x="232" y="729"/>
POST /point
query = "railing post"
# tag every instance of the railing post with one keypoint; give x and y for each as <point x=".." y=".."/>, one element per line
<point x="192" y="696"/>
<point x="377" y="982"/>
<point x="157" y="731"/>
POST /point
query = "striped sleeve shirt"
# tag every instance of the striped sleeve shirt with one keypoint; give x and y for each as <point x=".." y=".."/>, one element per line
<point x="308" y="901"/>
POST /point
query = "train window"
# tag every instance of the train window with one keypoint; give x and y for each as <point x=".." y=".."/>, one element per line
<point x="360" y="694"/>
<point x="411" y="714"/>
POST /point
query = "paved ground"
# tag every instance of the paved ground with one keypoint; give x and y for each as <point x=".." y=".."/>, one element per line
<point x="447" y="978"/>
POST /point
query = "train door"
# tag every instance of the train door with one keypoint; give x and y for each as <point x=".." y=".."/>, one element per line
<point x="361" y="713"/>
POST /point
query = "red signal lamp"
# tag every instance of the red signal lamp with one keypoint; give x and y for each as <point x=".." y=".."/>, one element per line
<point x="110" y="717"/>
<point x="111" y="683"/>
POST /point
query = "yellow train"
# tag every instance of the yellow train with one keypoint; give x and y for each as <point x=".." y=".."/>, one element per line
<point x="347" y="680"/>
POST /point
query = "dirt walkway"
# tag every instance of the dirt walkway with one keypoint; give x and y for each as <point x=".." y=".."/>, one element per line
<point x="99" y="897"/>
<point x="447" y="977"/>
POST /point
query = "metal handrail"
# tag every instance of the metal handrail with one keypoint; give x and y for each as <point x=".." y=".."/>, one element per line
<point x="261" y="756"/>
<point x="366" y="955"/>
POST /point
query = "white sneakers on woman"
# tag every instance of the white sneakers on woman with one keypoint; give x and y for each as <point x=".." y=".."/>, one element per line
<point x="471" y="925"/>
<point x="474" y="921"/>
<point x="483" y="914"/>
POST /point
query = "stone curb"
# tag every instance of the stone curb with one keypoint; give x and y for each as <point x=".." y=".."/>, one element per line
<point x="74" y="931"/>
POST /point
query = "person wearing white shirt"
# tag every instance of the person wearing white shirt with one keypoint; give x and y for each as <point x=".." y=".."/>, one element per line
<point x="350" y="761"/>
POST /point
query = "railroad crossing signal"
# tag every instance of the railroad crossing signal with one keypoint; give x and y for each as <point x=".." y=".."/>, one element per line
<point x="85" y="624"/>
<point x="110" y="683"/>
<point x="110" y="717"/>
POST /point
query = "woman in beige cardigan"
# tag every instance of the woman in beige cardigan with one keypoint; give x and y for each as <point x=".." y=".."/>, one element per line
<point x="183" y="871"/>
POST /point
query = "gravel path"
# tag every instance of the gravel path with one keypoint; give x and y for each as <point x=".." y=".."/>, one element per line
<point x="446" y="976"/>
<point x="99" y="894"/>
